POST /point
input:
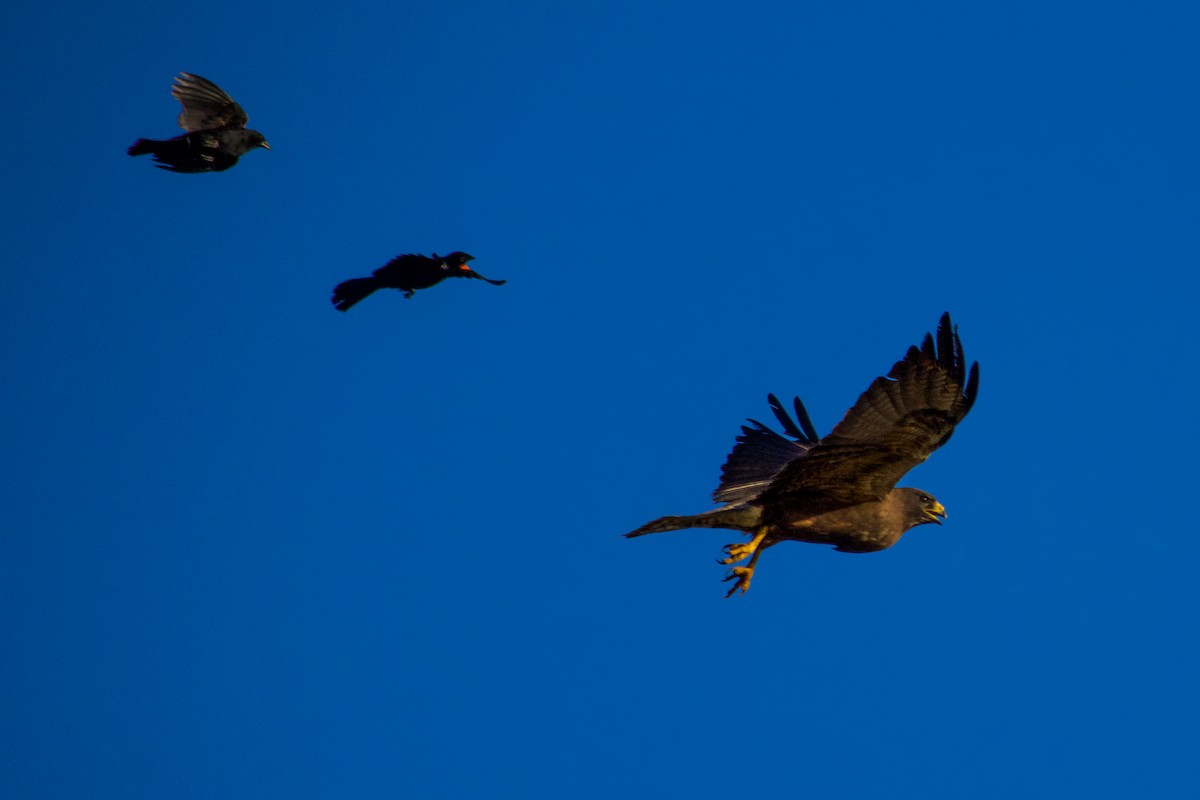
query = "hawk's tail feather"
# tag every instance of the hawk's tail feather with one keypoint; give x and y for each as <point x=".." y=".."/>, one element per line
<point x="740" y="518"/>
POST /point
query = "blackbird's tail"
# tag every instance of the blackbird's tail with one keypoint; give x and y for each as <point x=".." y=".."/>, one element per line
<point x="175" y="155"/>
<point x="347" y="293"/>
<point x="143" y="146"/>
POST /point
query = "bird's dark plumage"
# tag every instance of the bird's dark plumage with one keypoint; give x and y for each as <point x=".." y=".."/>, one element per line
<point x="840" y="489"/>
<point x="407" y="273"/>
<point x="216" y="130"/>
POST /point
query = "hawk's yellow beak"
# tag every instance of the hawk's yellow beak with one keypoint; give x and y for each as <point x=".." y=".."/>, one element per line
<point x="938" y="510"/>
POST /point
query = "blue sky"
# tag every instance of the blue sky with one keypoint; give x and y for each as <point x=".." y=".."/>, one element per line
<point x="252" y="547"/>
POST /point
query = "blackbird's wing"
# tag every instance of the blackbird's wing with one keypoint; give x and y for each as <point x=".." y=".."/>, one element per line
<point x="473" y="274"/>
<point x="407" y="266"/>
<point x="759" y="453"/>
<point x="895" y="425"/>
<point x="205" y="106"/>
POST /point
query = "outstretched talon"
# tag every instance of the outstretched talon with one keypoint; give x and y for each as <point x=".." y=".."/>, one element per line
<point x="736" y="552"/>
<point x="753" y="548"/>
<point x="743" y="576"/>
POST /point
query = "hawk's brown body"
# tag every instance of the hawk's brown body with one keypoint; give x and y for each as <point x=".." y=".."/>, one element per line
<point x="862" y="528"/>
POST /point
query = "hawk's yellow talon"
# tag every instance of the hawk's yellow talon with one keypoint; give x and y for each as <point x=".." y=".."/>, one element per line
<point x="737" y="552"/>
<point x="743" y="576"/>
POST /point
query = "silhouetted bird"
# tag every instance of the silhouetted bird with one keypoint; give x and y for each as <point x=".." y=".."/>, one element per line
<point x="840" y="489"/>
<point x="407" y="273"/>
<point x="216" y="130"/>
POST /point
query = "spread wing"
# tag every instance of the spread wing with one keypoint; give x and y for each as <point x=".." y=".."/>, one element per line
<point x="473" y="274"/>
<point x="759" y="453"/>
<point x="894" y="426"/>
<point x="205" y="106"/>
<point x="407" y="265"/>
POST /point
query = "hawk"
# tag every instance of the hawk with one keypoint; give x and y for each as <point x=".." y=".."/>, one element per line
<point x="840" y="489"/>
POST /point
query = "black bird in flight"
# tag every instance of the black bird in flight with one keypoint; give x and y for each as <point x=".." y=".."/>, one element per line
<point x="216" y="130"/>
<point x="840" y="489"/>
<point x="407" y="273"/>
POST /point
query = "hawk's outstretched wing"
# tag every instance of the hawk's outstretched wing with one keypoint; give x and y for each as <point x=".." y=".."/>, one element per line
<point x="759" y="453"/>
<point x="894" y="426"/>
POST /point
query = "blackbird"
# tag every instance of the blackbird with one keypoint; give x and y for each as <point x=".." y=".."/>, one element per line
<point x="216" y="130"/>
<point x="407" y="273"/>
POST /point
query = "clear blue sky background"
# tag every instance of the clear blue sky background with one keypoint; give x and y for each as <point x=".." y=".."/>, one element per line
<point x="252" y="547"/>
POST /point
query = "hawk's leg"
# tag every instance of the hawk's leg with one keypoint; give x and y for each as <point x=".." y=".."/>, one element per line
<point x="737" y="552"/>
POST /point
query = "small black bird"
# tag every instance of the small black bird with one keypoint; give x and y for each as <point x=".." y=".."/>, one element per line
<point x="216" y="130"/>
<point x="407" y="273"/>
